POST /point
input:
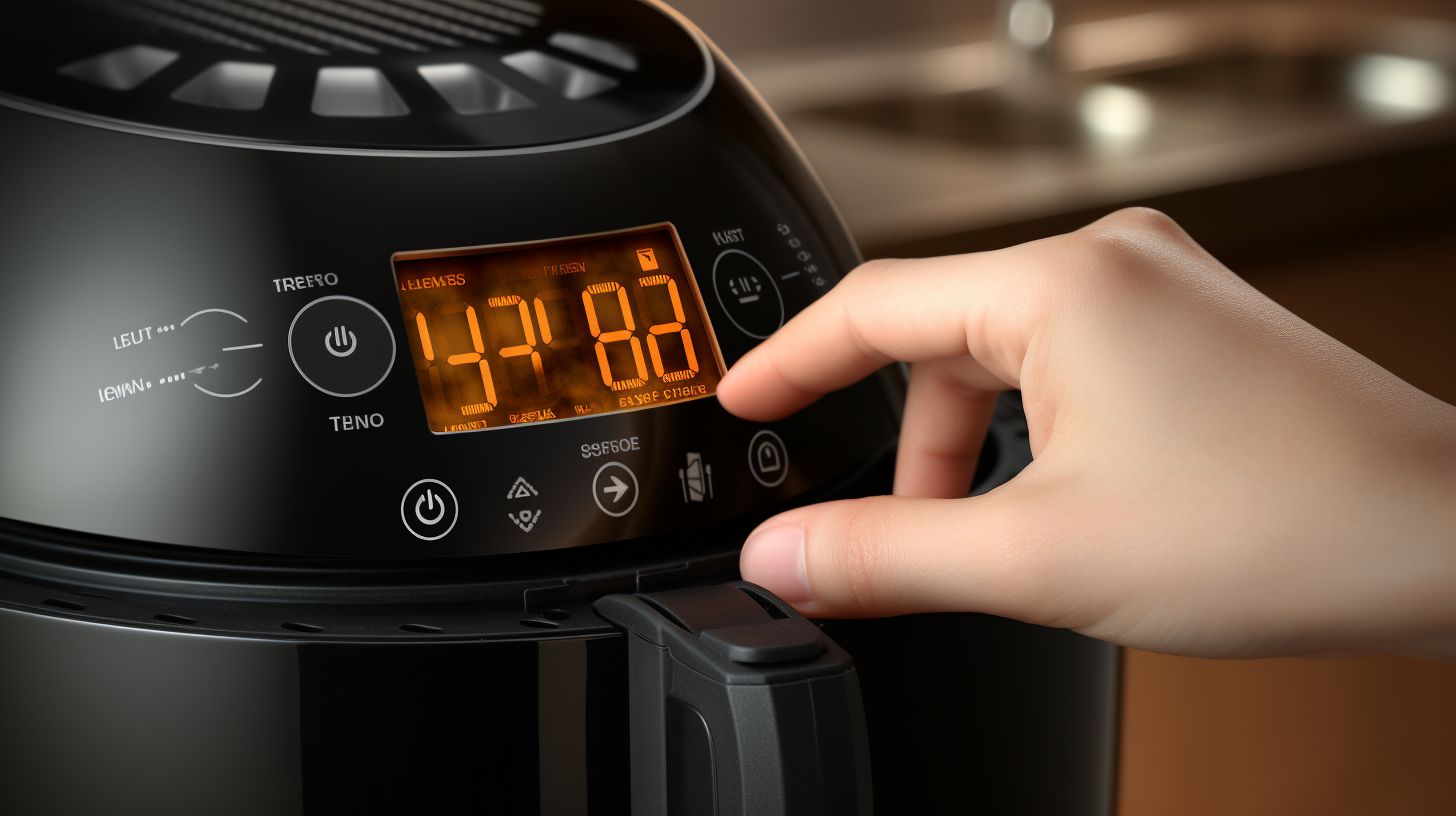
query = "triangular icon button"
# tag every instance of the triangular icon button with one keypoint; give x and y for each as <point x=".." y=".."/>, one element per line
<point x="521" y="489"/>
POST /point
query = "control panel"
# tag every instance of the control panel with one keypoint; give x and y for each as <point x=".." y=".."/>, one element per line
<point x="462" y="357"/>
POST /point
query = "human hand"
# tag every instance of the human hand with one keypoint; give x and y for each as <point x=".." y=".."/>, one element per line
<point x="1211" y="474"/>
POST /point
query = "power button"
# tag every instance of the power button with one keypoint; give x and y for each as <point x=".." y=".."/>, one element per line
<point x="429" y="509"/>
<point x="341" y="345"/>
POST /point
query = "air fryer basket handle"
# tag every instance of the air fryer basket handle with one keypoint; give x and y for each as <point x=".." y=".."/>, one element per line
<point x="739" y="707"/>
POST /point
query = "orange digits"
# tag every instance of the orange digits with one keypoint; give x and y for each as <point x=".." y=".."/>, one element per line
<point x="603" y="338"/>
<point x="477" y="356"/>
<point x="528" y="347"/>
<point x="668" y="328"/>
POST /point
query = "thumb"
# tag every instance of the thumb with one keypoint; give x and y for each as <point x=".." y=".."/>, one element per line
<point x="891" y="555"/>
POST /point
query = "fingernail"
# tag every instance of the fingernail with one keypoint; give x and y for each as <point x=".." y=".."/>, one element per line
<point x="774" y="559"/>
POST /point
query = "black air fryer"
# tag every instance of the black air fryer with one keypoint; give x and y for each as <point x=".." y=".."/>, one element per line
<point x="358" y="448"/>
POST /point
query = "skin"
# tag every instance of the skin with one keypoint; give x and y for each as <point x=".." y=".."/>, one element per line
<point x="1212" y="475"/>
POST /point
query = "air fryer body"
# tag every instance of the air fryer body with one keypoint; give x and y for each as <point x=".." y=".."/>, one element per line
<point x="213" y="598"/>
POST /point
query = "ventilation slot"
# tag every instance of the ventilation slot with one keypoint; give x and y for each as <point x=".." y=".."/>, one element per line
<point x="471" y="91"/>
<point x="606" y="52"/>
<point x="212" y="19"/>
<point x="481" y="16"/>
<point x="229" y="85"/>
<point x="69" y="606"/>
<point x="419" y="21"/>
<point x="421" y="629"/>
<point x="566" y="78"/>
<point x="358" y="92"/>
<point x="307" y="628"/>
<point x="180" y="620"/>
<point x="539" y="623"/>
<point x="122" y="69"/>
<point x="321" y="27"/>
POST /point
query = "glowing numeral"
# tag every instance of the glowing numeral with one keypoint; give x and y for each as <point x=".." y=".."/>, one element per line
<point x="528" y="347"/>
<point x="668" y="328"/>
<point x="603" y="338"/>
<point x="571" y="340"/>
<point x="476" y="357"/>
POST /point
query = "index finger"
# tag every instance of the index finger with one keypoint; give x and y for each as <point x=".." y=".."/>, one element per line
<point x="976" y="306"/>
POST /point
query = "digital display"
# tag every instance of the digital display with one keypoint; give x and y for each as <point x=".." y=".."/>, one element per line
<point x="553" y="330"/>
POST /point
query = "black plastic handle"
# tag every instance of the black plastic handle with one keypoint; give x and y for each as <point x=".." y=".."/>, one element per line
<point x="739" y="707"/>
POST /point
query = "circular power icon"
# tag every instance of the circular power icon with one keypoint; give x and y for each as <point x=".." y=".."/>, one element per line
<point x="429" y="509"/>
<point x="615" y="489"/>
<point x="341" y="345"/>
<point x="768" y="459"/>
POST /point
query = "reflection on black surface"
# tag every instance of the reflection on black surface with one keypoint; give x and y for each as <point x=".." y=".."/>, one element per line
<point x="461" y="729"/>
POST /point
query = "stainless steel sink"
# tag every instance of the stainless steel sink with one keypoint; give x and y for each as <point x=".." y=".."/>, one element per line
<point x="931" y="142"/>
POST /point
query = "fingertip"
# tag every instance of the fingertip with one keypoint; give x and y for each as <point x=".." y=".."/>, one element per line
<point x="774" y="558"/>
<point x="753" y="390"/>
<point x="730" y="394"/>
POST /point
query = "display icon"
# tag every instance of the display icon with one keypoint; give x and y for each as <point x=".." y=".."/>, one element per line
<point x="768" y="459"/>
<point x="525" y="519"/>
<point x="745" y="288"/>
<point x="340" y="342"/>
<point x="521" y="489"/>
<point x="648" y="259"/>
<point x="748" y="293"/>
<point x="617" y="489"/>
<point x="696" y="478"/>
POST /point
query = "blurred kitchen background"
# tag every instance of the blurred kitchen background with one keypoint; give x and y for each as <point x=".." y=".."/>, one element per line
<point x="1310" y="144"/>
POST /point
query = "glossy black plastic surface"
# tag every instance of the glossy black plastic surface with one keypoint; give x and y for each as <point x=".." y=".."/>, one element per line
<point x="213" y="603"/>
<point x="458" y="686"/>
<point x="150" y="280"/>
<point x="400" y="75"/>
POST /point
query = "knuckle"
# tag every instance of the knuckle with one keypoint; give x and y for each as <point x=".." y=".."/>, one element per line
<point x="1141" y="222"/>
<point x="1030" y="566"/>
<point x="855" y="555"/>
<point x="866" y="277"/>
<point x="1126" y="248"/>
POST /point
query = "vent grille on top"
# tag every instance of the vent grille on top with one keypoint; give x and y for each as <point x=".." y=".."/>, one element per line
<point x="324" y="27"/>
<point x="414" y="74"/>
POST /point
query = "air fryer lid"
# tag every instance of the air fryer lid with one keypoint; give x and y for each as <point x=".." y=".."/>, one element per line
<point x="395" y="74"/>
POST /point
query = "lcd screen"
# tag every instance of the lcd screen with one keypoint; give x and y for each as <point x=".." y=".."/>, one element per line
<point x="552" y="330"/>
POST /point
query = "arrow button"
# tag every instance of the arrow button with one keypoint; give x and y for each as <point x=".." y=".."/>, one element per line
<point x="614" y="488"/>
<point x="617" y="489"/>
